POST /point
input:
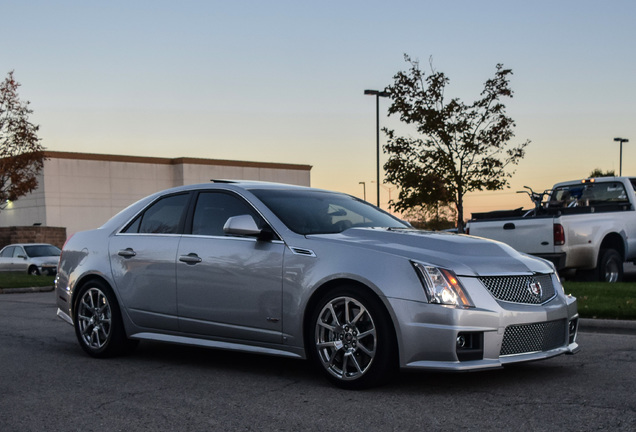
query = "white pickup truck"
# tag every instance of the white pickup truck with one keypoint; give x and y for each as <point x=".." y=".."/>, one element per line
<point x="585" y="225"/>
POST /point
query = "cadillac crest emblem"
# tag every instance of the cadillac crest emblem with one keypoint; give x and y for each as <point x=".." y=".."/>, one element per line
<point x="535" y="288"/>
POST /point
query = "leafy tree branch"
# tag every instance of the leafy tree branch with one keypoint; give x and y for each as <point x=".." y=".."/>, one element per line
<point x="461" y="147"/>
<point x="21" y="154"/>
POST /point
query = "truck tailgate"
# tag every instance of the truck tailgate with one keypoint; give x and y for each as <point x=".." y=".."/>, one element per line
<point x="533" y="235"/>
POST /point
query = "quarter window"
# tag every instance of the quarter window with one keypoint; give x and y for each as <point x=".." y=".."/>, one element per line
<point x="162" y="217"/>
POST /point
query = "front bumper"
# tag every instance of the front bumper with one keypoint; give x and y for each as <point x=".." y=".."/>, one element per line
<point x="493" y="334"/>
<point x="64" y="316"/>
<point x="48" y="269"/>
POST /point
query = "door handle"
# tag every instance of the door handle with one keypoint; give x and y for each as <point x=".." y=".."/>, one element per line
<point x="190" y="258"/>
<point x="127" y="253"/>
<point x="509" y="226"/>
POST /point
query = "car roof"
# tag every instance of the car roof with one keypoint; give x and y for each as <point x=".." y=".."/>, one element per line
<point x="241" y="184"/>
<point x="29" y="244"/>
<point x="218" y="184"/>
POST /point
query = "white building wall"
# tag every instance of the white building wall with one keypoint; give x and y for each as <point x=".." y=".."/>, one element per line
<point x="28" y="210"/>
<point x="196" y="173"/>
<point x="82" y="192"/>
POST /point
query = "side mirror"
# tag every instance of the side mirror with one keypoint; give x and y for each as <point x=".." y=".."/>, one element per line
<point x="22" y="256"/>
<point x="243" y="225"/>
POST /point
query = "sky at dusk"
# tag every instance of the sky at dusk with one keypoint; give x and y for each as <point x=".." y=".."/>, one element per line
<point x="283" y="81"/>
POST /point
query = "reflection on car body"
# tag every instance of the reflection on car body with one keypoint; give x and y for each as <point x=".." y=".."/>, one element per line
<point x="306" y="273"/>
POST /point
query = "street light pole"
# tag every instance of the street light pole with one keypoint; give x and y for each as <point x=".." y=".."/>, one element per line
<point x="621" y="140"/>
<point x="364" y="189"/>
<point x="389" y="189"/>
<point x="378" y="94"/>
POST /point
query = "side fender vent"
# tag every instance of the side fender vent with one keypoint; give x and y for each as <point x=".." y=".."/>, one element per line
<point x="303" y="252"/>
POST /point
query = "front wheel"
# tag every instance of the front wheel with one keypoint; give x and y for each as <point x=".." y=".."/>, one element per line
<point x="610" y="266"/>
<point x="352" y="339"/>
<point x="98" y="324"/>
<point x="33" y="271"/>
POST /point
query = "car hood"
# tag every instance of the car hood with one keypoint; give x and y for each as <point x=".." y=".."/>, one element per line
<point x="465" y="255"/>
<point x="53" y="259"/>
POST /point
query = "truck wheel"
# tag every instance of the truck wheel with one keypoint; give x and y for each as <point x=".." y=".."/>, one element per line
<point x="610" y="266"/>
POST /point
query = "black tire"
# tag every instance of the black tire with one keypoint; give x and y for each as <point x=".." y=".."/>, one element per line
<point x="351" y="339"/>
<point x="33" y="271"/>
<point x="610" y="266"/>
<point x="98" y="324"/>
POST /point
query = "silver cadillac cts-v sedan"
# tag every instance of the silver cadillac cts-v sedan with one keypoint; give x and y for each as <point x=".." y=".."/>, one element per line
<point x="307" y="273"/>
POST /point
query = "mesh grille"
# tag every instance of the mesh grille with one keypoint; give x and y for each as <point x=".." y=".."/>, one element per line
<point x="528" y="338"/>
<point x="535" y="289"/>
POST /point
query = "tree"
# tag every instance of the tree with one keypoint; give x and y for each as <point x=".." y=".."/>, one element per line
<point x="21" y="154"/>
<point x="599" y="173"/>
<point x="462" y="148"/>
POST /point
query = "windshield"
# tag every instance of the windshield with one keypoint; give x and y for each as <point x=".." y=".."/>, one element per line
<point x="319" y="212"/>
<point x="42" y="250"/>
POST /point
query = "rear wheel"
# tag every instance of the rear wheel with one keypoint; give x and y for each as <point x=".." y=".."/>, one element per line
<point x="352" y="339"/>
<point x="610" y="266"/>
<point x="98" y="324"/>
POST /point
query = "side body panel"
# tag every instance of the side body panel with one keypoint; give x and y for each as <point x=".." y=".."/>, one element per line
<point x="234" y="291"/>
<point x="584" y="235"/>
<point x="143" y="270"/>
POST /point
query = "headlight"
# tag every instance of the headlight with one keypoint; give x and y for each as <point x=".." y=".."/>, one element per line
<point x="442" y="286"/>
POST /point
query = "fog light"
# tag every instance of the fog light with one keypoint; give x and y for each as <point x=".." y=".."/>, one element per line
<point x="461" y="341"/>
<point x="470" y="346"/>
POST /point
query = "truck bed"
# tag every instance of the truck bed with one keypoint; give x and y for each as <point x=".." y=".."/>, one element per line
<point x="521" y="213"/>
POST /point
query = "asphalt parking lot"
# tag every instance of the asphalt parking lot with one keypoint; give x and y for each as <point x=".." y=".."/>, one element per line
<point x="48" y="383"/>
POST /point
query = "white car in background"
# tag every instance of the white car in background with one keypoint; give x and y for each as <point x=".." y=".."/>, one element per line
<point x="32" y="258"/>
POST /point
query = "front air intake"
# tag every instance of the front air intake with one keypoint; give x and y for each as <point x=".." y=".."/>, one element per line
<point x="531" y="338"/>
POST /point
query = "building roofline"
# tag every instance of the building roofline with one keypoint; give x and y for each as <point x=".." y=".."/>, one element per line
<point x="172" y="161"/>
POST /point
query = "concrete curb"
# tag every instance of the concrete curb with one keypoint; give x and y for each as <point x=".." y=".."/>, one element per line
<point x="591" y="325"/>
<point x="25" y="290"/>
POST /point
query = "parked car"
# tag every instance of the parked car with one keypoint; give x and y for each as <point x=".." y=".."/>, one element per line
<point x="587" y="225"/>
<point x="32" y="258"/>
<point x="306" y="273"/>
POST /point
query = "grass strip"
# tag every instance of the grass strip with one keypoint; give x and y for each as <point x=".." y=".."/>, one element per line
<point x="604" y="300"/>
<point x="23" y="280"/>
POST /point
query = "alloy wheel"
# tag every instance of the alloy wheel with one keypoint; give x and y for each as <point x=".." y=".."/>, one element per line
<point x="345" y="338"/>
<point x="94" y="319"/>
